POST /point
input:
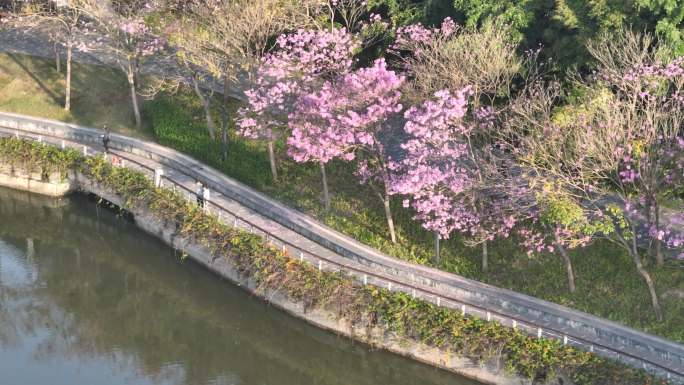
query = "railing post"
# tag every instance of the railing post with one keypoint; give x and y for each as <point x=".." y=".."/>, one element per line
<point x="158" y="174"/>
<point x="63" y="144"/>
<point x="206" y="197"/>
<point x="85" y="150"/>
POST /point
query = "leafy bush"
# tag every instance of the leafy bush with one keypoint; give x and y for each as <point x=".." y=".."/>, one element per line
<point x="35" y="157"/>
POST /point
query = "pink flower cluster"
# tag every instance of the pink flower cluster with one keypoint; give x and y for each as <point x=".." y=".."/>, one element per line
<point x="346" y="115"/>
<point x="140" y="37"/>
<point x="437" y="172"/>
<point x="407" y="37"/>
<point x="302" y="61"/>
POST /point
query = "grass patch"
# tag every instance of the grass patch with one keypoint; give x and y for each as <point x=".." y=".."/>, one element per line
<point x="99" y="95"/>
<point x="607" y="283"/>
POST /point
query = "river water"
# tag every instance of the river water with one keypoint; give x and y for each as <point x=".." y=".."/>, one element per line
<point x="88" y="299"/>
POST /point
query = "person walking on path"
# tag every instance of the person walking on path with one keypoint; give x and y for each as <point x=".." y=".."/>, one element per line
<point x="200" y="194"/>
<point x="205" y="197"/>
<point x="106" y="139"/>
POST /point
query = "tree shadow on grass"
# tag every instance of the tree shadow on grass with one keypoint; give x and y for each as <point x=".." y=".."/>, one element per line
<point x="57" y="99"/>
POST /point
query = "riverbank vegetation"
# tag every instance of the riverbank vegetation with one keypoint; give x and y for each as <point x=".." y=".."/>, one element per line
<point x="398" y="133"/>
<point x="362" y="306"/>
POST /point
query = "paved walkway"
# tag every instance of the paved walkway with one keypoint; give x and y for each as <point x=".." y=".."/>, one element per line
<point x="309" y="240"/>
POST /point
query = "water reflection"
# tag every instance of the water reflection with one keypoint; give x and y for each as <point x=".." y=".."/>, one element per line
<point x="86" y="298"/>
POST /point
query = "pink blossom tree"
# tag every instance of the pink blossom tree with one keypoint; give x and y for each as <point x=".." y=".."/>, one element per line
<point x="301" y="63"/>
<point x="349" y="118"/>
<point x="225" y="41"/>
<point x="438" y="176"/>
<point x="128" y="38"/>
<point x="449" y="57"/>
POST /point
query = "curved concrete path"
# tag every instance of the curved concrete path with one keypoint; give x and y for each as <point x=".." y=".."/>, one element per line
<point x="307" y="239"/>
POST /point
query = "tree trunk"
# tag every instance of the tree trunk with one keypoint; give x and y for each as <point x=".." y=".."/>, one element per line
<point x="134" y="94"/>
<point x="226" y="118"/>
<point x="271" y="159"/>
<point x="438" y="252"/>
<point x="388" y="215"/>
<point x="206" y="104"/>
<point x="649" y="281"/>
<point x="568" y="264"/>
<point x="224" y="140"/>
<point x="326" y="193"/>
<point x="485" y="257"/>
<point x="58" y="59"/>
<point x="660" y="260"/>
<point x="67" y="92"/>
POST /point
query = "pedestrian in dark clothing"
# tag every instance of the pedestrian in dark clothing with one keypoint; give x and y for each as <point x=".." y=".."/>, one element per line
<point x="200" y="194"/>
<point x="105" y="139"/>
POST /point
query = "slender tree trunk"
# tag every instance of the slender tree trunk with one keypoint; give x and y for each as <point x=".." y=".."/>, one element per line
<point x="649" y="281"/>
<point x="660" y="260"/>
<point x="226" y="118"/>
<point x="58" y="59"/>
<point x="568" y="264"/>
<point x="388" y="215"/>
<point x="206" y="104"/>
<point x="485" y="256"/>
<point x="326" y="192"/>
<point x="67" y="92"/>
<point x="438" y="252"/>
<point x="134" y="94"/>
<point x="224" y="140"/>
<point x="271" y="159"/>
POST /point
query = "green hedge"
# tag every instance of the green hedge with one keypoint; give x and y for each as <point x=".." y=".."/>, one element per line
<point x="363" y="306"/>
<point x="35" y="157"/>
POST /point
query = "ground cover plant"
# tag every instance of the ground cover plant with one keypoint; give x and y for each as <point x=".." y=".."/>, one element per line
<point x="360" y="305"/>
